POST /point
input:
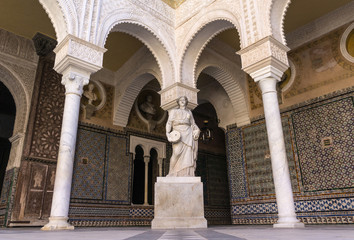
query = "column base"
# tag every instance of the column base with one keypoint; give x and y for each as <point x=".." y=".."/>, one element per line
<point x="289" y="223"/>
<point x="57" y="223"/>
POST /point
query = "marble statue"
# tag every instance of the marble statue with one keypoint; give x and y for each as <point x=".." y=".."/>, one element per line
<point x="182" y="131"/>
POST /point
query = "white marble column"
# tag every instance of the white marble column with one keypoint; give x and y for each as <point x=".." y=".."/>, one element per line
<point x="146" y="160"/>
<point x="62" y="188"/>
<point x="281" y="176"/>
<point x="160" y="161"/>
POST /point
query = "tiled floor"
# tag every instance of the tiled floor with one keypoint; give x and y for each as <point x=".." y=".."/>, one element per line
<point x="322" y="232"/>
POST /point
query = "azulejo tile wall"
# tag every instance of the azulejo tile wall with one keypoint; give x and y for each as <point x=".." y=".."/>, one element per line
<point x="118" y="171"/>
<point x="236" y="164"/>
<point x="258" y="160"/>
<point x="102" y="169"/>
<point x="101" y="189"/>
<point x="7" y="195"/>
<point x="325" y="145"/>
<point x="318" y="135"/>
<point x="89" y="165"/>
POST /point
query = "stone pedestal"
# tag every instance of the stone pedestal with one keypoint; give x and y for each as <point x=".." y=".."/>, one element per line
<point x="179" y="203"/>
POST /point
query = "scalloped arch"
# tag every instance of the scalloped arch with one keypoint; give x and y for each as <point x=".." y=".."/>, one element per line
<point x="277" y="14"/>
<point x="199" y="36"/>
<point x="125" y="104"/>
<point x="232" y="88"/>
<point x="64" y="19"/>
<point x="13" y="83"/>
<point x="157" y="41"/>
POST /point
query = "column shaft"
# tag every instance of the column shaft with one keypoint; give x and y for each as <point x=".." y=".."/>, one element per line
<point x="146" y="160"/>
<point x="63" y="178"/>
<point x="281" y="176"/>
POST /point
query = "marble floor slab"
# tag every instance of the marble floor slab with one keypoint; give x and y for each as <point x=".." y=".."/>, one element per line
<point x="320" y="232"/>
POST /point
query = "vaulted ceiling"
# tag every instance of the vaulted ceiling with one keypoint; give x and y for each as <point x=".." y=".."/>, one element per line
<point x="26" y="17"/>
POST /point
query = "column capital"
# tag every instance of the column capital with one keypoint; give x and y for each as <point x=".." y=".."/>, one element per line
<point x="73" y="51"/>
<point x="146" y="159"/>
<point x="176" y="90"/>
<point x="265" y="58"/>
<point x="74" y="82"/>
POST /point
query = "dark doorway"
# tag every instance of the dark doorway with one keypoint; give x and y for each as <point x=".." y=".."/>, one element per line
<point x="7" y="119"/>
<point x="212" y="164"/>
<point x="138" y="177"/>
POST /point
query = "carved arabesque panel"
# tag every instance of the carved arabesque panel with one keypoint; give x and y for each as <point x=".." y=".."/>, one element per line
<point x="47" y="126"/>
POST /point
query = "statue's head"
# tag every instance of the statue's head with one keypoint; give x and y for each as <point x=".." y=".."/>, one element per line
<point x="149" y="98"/>
<point x="182" y="100"/>
<point x="91" y="86"/>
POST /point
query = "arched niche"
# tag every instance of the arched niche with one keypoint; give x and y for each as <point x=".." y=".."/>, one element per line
<point x="148" y="151"/>
<point x="14" y="85"/>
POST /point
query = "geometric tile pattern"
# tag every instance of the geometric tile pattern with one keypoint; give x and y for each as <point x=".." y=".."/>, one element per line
<point x="321" y="205"/>
<point x="258" y="208"/>
<point x="89" y="165"/>
<point x="332" y="167"/>
<point x="118" y="171"/>
<point x="95" y="211"/>
<point x="258" y="159"/>
<point x="218" y="215"/>
<point x="318" y="218"/>
<point x="142" y="212"/>
<point x="236" y="166"/>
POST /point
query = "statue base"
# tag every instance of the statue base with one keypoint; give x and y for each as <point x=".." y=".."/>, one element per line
<point x="178" y="203"/>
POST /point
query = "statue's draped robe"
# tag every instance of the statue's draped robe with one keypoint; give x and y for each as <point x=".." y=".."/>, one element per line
<point x="184" y="156"/>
